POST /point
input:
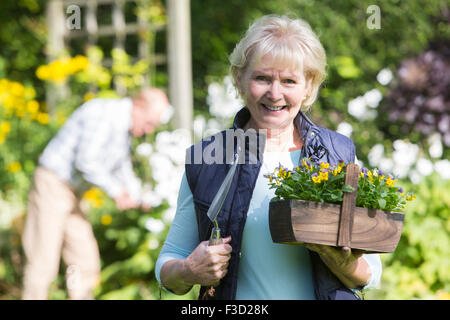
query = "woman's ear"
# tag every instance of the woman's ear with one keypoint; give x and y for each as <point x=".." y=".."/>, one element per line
<point x="239" y="83"/>
<point x="309" y="83"/>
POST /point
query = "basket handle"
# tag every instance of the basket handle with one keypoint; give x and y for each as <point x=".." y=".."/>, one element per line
<point x="348" y="207"/>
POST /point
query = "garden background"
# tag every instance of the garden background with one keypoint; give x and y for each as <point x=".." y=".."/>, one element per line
<point x="387" y="88"/>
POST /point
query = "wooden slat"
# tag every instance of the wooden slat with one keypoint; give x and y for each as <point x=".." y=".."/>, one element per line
<point x="119" y="25"/>
<point x="91" y="23"/>
<point x="156" y="59"/>
<point x="109" y="30"/>
<point x="85" y="2"/>
<point x="348" y="206"/>
<point x="297" y="221"/>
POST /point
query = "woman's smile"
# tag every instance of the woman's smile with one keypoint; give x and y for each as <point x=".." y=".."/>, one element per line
<point x="274" y="109"/>
<point x="273" y="94"/>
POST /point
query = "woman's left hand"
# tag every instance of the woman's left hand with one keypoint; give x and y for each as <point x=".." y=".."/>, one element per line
<point x="347" y="264"/>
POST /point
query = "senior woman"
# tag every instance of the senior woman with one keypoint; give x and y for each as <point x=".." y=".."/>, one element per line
<point x="277" y="68"/>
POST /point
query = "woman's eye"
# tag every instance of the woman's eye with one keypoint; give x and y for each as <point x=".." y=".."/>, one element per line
<point x="289" y="81"/>
<point x="262" y="78"/>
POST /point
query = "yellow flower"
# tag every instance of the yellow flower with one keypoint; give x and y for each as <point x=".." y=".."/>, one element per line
<point x="106" y="219"/>
<point x="32" y="106"/>
<point x="9" y="101"/>
<point x="5" y="127"/>
<point x="95" y="197"/>
<point x="20" y="112"/>
<point x="282" y="173"/>
<point x="17" y="89"/>
<point x="43" y="73"/>
<point x="14" y="167"/>
<point x="390" y="182"/>
<point x="410" y="197"/>
<point x="304" y="163"/>
<point x="88" y="96"/>
<point x="316" y="179"/>
<point x="324" y="165"/>
<point x="43" y="118"/>
<point x="323" y="175"/>
<point x="4" y="83"/>
<point x="336" y="170"/>
<point x="79" y="63"/>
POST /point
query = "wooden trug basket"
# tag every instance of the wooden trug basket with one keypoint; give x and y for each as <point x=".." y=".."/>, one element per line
<point x="297" y="221"/>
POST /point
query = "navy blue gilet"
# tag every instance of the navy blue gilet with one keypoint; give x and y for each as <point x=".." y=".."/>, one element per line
<point x="205" y="177"/>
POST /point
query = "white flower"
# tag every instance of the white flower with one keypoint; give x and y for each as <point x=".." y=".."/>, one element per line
<point x="345" y="128"/>
<point x="375" y="155"/>
<point x="386" y="164"/>
<point x="414" y="176"/>
<point x="213" y="125"/>
<point x="167" y="114"/>
<point x="154" y="225"/>
<point x="161" y="166"/>
<point x="162" y="140"/>
<point x="151" y="198"/>
<point x="358" y="108"/>
<point x="173" y="144"/>
<point x="144" y="149"/>
<point x="442" y="167"/>
<point x="384" y="76"/>
<point x="181" y="140"/>
<point x="373" y="97"/>
<point x="199" y="126"/>
<point x="435" y="149"/>
<point x="168" y="187"/>
<point x="153" y="244"/>
<point x="222" y="99"/>
<point x="424" y="166"/>
<point x="404" y="157"/>
<point x="169" y="214"/>
<point x="359" y="163"/>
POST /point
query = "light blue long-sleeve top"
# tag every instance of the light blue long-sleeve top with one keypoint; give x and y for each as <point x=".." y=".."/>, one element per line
<point x="267" y="270"/>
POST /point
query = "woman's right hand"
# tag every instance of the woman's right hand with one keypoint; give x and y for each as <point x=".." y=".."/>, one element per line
<point x="206" y="265"/>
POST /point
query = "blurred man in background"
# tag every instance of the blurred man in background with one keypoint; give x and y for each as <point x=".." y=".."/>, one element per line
<point x="92" y="148"/>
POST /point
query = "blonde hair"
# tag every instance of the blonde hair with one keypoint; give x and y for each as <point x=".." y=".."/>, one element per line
<point x="290" y="42"/>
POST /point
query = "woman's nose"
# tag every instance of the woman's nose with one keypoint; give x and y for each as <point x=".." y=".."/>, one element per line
<point x="274" y="91"/>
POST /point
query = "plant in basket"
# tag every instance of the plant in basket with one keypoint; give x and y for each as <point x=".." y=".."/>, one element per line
<point x="329" y="204"/>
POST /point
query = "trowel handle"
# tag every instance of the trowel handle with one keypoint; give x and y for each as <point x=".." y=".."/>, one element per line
<point x="215" y="238"/>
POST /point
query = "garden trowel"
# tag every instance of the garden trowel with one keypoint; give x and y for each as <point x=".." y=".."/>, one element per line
<point x="218" y="201"/>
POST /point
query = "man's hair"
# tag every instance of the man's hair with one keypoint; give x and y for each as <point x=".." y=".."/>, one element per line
<point x="148" y="94"/>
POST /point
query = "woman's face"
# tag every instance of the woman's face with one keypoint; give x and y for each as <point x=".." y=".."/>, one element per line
<point x="273" y="94"/>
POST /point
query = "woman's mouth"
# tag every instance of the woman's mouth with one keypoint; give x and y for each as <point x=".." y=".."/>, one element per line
<point x="272" y="108"/>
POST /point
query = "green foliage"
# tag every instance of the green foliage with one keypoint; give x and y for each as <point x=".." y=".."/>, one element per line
<point x="420" y="266"/>
<point x="310" y="181"/>
<point x="355" y="53"/>
<point x="129" y="252"/>
<point x="128" y="249"/>
<point x="323" y="182"/>
<point x="22" y="40"/>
